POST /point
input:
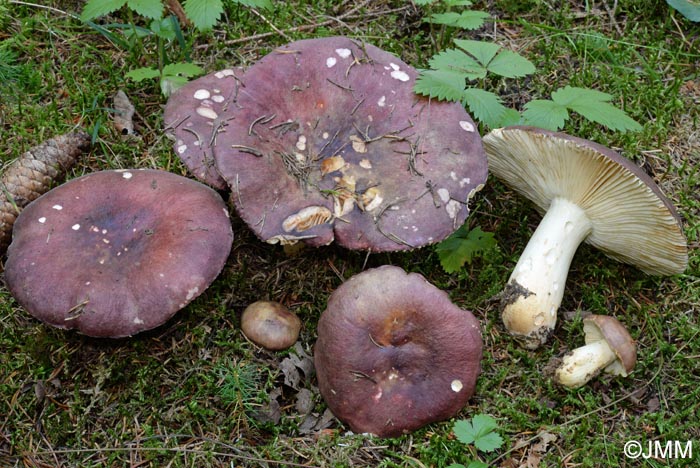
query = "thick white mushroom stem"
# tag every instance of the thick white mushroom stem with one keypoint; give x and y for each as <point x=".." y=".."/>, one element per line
<point x="582" y="364"/>
<point x="536" y="287"/>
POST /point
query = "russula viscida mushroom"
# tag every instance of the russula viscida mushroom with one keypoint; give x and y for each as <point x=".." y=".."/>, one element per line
<point x="394" y="353"/>
<point x="327" y="141"/>
<point x="192" y="118"/>
<point x="609" y="348"/>
<point x="588" y="193"/>
<point x="114" y="253"/>
<point x="270" y="325"/>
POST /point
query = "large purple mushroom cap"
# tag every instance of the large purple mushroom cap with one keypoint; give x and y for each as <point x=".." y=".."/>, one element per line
<point x="394" y="353"/>
<point x="327" y="141"/>
<point x="192" y="119"/>
<point x="115" y="253"/>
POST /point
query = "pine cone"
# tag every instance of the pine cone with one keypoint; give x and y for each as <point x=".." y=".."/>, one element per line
<point x="33" y="174"/>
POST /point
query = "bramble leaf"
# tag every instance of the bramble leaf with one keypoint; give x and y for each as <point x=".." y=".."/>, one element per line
<point x="594" y="106"/>
<point x="485" y="106"/>
<point x="457" y="61"/>
<point x="152" y="9"/>
<point x="468" y="19"/>
<point x="461" y="247"/>
<point x="479" y="431"/>
<point x="545" y="114"/>
<point x="511" y="65"/>
<point x="96" y="8"/>
<point x="264" y="4"/>
<point x="482" y="51"/>
<point x="203" y="13"/>
<point x="444" y="85"/>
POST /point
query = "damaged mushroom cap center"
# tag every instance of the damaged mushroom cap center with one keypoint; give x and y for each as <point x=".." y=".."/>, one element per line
<point x="314" y="127"/>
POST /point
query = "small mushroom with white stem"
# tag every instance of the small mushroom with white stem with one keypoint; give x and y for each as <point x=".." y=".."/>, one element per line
<point x="588" y="193"/>
<point x="609" y="348"/>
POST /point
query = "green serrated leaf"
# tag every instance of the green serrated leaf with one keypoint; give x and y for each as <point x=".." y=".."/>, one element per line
<point x="510" y="64"/>
<point x="152" y="9"/>
<point x="140" y="74"/>
<point x="164" y="28"/>
<point x="264" y="4"/>
<point x="440" y="84"/>
<point x="688" y="8"/>
<point x="571" y="95"/>
<point x="96" y="8"/>
<point x="424" y="2"/>
<point x="169" y="84"/>
<point x="185" y="69"/>
<point x="455" y="60"/>
<point x="469" y="19"/>
<point x="479" y="431"/>
<point x="485" y="106"/>
<point x="594" y="106"/>
<point x="455" y="3"/>
<point x="203" y="13"/>
<point x="545" y="113"/>
<point x="482" y="51"/>
<point x="510" y="117"/>
<point x="461" y="247"/>
<point x="488" y="442"/>
<point x="456" y="465"/>
<point x="477" y="464"/>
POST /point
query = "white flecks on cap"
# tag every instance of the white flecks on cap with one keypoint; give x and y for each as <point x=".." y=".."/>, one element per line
<point x="382" y="101"/>
<point x="191" y="293"/>
<point x="444" y="194"/>
<point x="75" y="227"/>
<point x="127" y="175"/>
<point x="42" y="220"/>
<point x="456" y="385"/>
<point x="224" y="73"/>
<point x="138" y="321"/>
<point x="202" y="94"/>
<point x="466" y="126"/>
<point x="453" y="207"/>
<point x="453" y="175"/>
<point x="57" y="207"/>
<point x="331" y="61"/>
<point x="464" y="182"/>
<point x="400" y="75"/>
<point x="87" y="283"/>
<point x="365" y="163"/>
<point x="301" y="143"/>
<point x="181" y="149"/>
<point x="343" y="53"/>
<point x="218" y="98"/>
<point x="325" y="135"/>
<point x="104" y="231"/>
<point x="206" y="112"/>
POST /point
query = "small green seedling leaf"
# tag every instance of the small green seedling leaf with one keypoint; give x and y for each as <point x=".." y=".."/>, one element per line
<point x="495" y="59"/>
<point x="164" y="28"/>
<point x="144" y="73"/>
<point x="152" y="9"/>
<point x="468" y="19"/>
<point x="185" y="69"/>
<point x="461" y="247"/>
<point x="479" y="431"/>
<point x="264" y="4"/>
<point x="203" y="13"/>
<point x="96" y="8"/>
<point x="545" y="114"/>
<point x="444" y="85"/>
<point x="455" y="60"/>
<point x="485" y="106"/>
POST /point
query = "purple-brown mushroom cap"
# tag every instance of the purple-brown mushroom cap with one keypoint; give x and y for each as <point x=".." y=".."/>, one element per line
<point x="192" y="118"/>
<point x="327" y="141"/>
<point x="394" y="353"/>
<point x="115" y="253"/>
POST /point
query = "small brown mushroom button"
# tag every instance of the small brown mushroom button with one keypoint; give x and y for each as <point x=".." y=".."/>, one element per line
<point x="114" y="253"/>
<point x="588" y="193"/>
<point x="270" y="325"/>
<point x="609" y="348"/>
<point x="394" y="353"/>
<point x="328" y="142"/>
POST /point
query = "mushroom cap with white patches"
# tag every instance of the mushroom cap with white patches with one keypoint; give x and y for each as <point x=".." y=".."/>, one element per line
<point x="632" y="220"/>
<point x="402" y="148"/>
<point x="394" y="353"/>
<point x="105" y="279"/>
<point x="191" y="119"/>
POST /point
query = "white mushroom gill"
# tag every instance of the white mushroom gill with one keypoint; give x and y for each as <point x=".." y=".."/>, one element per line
<point x="536" y="286"/>
<point x="582" y="364"/>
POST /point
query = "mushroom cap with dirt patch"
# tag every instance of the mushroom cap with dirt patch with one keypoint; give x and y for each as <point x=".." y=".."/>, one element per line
<point x="192" y="118"/>
<point x="327" y="141"/>
<point x="115" y="253"/>
<point x="394" y="353"/>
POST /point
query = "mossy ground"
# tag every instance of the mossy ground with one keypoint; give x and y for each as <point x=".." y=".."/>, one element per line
<point x="195" y="392"/>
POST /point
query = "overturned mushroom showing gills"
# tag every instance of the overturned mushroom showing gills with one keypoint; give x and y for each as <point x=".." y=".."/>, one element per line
<point x="270" y="325"/>
<point x="115" y="253"/>
<point x="588" y="193"/>
<point x="193" y="121"/>
<point x="609" y="348"/>
<point x="327" y="141"/>
<point x="394" y="353"/>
